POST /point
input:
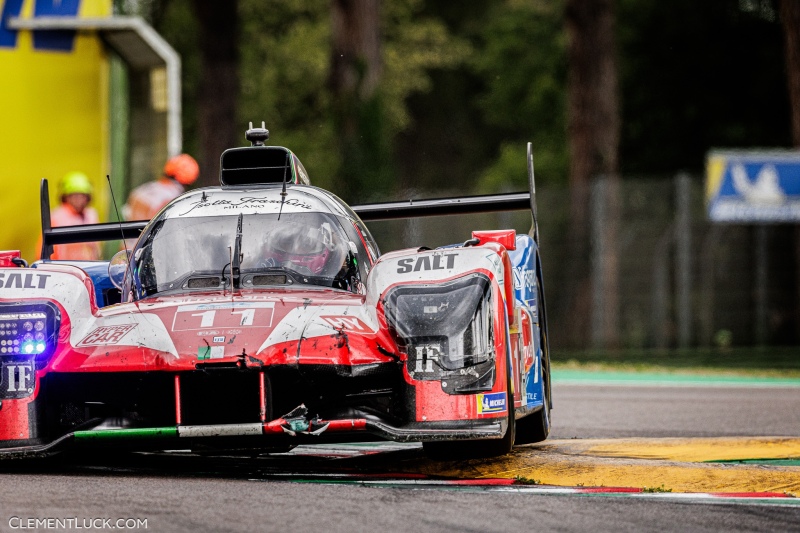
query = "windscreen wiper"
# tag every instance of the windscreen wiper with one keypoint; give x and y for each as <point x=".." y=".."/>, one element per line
<point x="283" y="189"/>
<point x="236" y="260"/>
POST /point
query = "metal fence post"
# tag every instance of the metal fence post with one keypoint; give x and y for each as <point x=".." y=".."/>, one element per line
<point x="762" y="266"/>
<point x="683" y="259"/>
<point x="659" y="317"/>
<point x="598" y="217"/>
<point x="605" y="215"/>
<point x="708" y="281"/>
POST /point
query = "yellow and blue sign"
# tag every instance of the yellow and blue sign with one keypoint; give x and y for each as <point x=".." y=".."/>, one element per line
<point x="753" y="187"/>
<point x="42" y="40"/>
<point x="491" y="403"/>
<point x="54" y="102"/>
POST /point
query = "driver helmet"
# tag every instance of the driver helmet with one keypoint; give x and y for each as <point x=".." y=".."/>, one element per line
<point x="311" y="249"/>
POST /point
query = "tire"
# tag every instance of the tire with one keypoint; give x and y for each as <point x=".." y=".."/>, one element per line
<point x="536" y="426"/>
<point x="477" y="449"/>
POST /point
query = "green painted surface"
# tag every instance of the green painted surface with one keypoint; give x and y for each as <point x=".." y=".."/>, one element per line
<point x="766" y="462"/>
<point x="771" y="361"/>
<point x="126" y="433"/>
<point x="677" y="378"/>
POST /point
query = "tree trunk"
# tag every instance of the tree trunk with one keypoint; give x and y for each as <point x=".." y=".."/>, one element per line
<point x="790" y="20"/>
<point x="219" y="84"/>
<point x="593" y="125"/>
<point x="356" y="67"/>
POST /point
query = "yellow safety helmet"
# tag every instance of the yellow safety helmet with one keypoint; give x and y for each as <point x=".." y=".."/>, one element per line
<point x="75" y="183"/>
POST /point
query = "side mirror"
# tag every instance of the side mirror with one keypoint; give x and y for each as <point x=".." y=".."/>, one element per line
<point x="352" y="259"/>
<point x="353" y="276"/>
<point x="117" y="268"/>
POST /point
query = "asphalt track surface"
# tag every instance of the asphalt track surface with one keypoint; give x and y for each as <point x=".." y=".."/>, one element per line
<point x="594" y="410"/>
<point x="201" y="494"/>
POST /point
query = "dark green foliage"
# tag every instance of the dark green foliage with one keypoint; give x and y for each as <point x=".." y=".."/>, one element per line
<point x="523" y="65"/>
<point x="471" y="128"/>
<point x="697" y="75"/>
<point x="285" y="54"/>
<point x="175" y="21"/>
<point x="465" y="85"/>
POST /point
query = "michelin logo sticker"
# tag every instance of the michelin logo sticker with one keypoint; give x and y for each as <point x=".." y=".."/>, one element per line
<point x="491" y="403"/>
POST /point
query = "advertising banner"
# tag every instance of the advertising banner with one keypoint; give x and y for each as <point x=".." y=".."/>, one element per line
<point x="753" y="186"/>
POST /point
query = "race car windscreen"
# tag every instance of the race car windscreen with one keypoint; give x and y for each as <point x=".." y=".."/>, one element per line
<point x="305" y="248"/>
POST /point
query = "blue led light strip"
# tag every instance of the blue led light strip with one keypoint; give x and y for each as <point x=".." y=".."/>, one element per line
<point x="23" y="333"/>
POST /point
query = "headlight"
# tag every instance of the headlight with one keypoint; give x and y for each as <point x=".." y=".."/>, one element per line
<point x="29" y="330"/>
<point x="446" y="331"/>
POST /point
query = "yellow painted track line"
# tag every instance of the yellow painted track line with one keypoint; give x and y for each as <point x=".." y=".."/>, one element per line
<point x="674" y="464"/>
<point x="687" y="450"/>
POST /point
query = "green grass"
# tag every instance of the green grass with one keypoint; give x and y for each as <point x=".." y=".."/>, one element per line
<point x="766" y="362"/>
<point x="656" y="489"/>
<point x="766" y="462"/>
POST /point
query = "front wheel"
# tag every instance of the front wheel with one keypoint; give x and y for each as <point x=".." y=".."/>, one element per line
<point x="536" y="426"/>
<point x="475" y="449"/>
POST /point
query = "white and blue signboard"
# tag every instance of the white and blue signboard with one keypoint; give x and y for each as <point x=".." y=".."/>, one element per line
<point x="753" y="187"/>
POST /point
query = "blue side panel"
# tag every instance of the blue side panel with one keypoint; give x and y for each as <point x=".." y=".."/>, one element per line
<point x="98" y="271"/>
<point x="11" y="8"/>
<point x="59" y="40"/>
<point x="534" y="392"/>
<point x="523" y="260"/>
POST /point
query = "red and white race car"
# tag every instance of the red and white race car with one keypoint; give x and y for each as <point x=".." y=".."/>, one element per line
<point x="261" y="315"/>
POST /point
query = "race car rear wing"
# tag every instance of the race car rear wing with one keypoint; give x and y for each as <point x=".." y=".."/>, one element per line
<point x="490" y="203"/>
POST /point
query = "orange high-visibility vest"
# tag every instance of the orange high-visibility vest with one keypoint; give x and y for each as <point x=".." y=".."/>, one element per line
<point x="65" y="215"/>
<point x="145" y="201"/>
